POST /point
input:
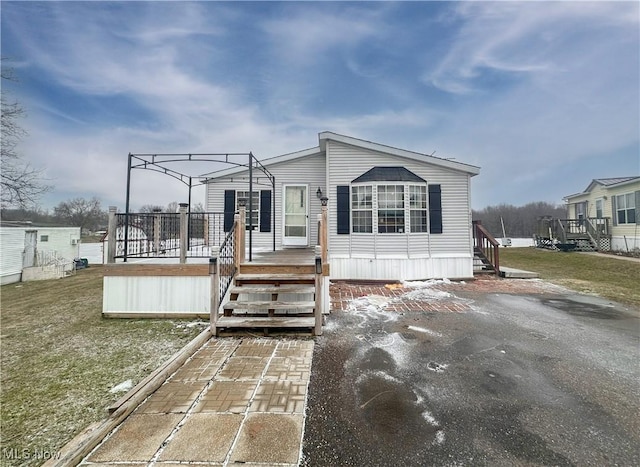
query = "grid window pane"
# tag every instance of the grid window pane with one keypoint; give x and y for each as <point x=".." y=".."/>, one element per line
<point x="418" y="220"/>
<point x="362" y="209"/>
<point x="418" y="197"/>
<point x="362" y="222"/>
<point x="626" y="208"/>
<point x="255" y="201"/>
<point x="418" y="208"/>
<point x="391" y="209"/>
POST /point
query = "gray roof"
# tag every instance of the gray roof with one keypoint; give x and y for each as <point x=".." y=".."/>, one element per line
<point x="613" y="181"/>
<point x="388" y="174"/>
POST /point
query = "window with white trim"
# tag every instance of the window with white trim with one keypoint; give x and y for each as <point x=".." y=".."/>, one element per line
<point x="626" y="208"/>
<point x="418" y="208"/>
<point x="599" y="208"/>
<point x="362" y="209"/>
<point x="391" y="209"/>
<point x="255" y="215"/>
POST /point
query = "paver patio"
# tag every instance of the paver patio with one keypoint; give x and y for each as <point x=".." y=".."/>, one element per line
<point x="233" y="401"/>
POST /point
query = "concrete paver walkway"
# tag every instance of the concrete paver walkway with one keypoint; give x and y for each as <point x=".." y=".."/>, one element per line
<point x="234" y="401"/>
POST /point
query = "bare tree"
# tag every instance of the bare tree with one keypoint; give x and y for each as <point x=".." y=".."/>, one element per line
<point x="22" y="184"/>
<point x="519" y="221"/>
<point x="172" y="207"/>
<point x="80" y="212"/>
<point x="151" y="208"/>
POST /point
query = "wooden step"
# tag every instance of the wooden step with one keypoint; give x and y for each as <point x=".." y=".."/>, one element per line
<point x="265" y="322"/>
<point x="251" y="268"/>
<point x="275" y="279"/>
<point x="290" y="288"/>
<point x="269" y="305"/>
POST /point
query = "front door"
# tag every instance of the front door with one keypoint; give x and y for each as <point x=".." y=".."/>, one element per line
<point x="30" y="248"/>
<point x="295" y="215"/>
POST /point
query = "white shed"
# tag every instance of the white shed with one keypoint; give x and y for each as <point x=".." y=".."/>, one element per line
<point x="24" y="245"/>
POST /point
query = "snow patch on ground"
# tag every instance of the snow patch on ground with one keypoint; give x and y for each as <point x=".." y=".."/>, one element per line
<point x="439" y="437"/>
<point x="192" y="325"/>
<point x="371" y="307"/>
<point x="426" y="294"/>
<point x="122" y="387"/>
<point x="424" y="330"/>
<point x="437" y="367"/>
<point x="379" y="374"/>
<point x="429" y="418"/>
<point x="421" y="284"/>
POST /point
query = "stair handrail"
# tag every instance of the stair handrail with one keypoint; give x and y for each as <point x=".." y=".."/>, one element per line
<point x="592" y="232"/>
<point x="487" y="245"/>
<point x="562" y="231"/>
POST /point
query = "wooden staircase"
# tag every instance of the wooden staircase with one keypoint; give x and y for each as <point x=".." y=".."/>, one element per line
<point x="271" y="297"/>
<point x="486" y="258"/>
<point x="481" y="264"/>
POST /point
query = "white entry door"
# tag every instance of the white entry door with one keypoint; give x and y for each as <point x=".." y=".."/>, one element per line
<point x="295" y="215"/>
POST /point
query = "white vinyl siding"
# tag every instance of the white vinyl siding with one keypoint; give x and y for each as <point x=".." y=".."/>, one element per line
<point x="63" y="242"/>
<point x="12" y="248"/>
<point x="307" y="170"/>
<point x="346" y="162"/>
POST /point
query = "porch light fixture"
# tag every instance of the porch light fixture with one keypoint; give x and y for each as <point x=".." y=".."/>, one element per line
<point x="319" y="193"/>
<point x="324" y="200"/>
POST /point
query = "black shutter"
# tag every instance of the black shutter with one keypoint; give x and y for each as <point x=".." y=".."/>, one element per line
<point x="265" y="210"/>
<point x="342" y="209"/>
<point x="229" y="208"/>
<point x="435" y="209"/>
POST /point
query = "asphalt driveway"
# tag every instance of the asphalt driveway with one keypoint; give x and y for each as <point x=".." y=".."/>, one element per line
<point x="493" y="372"/>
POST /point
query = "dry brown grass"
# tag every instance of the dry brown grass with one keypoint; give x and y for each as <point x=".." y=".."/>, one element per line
<point x="60" y="359"/>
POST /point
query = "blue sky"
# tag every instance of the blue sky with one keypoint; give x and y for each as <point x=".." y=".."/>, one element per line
<point x="543" y="96"/>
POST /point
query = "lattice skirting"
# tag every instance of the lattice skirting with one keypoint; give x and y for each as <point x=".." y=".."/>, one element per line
<point x="584" y="245"/>
<point x="605" y="244"/>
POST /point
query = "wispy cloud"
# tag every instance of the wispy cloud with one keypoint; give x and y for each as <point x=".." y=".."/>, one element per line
<point x="523" y="88"/>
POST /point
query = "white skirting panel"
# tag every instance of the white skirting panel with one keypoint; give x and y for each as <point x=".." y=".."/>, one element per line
<point x="401" y="268"/>
<point x="156" y="294"/>
<point x="625" y="244"/>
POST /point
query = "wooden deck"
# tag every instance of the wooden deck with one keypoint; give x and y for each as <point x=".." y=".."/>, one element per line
<point x="284" y="256"/>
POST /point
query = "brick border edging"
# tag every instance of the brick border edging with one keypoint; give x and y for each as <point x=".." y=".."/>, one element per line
<point x="80" y="446"/>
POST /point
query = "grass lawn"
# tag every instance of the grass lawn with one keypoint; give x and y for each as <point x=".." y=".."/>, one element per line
<point x="612" y="278"/>
<point x="60" y="359"/>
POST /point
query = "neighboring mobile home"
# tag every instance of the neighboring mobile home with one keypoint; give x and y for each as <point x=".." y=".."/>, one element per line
<point x="610" y="202"/>
<point x="27" y="246"/>
<point x="393" y="213"/>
